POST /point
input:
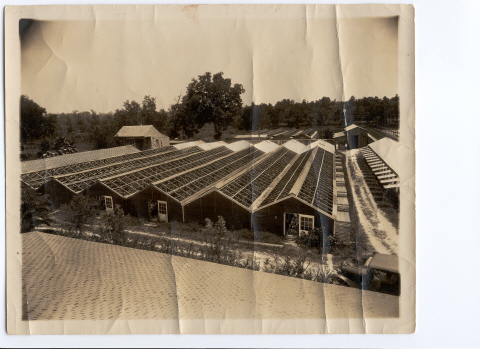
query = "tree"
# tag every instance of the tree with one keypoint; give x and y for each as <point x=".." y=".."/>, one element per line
<point x="264" y="112"/>
<point x="34" y="123"/>
<point x="34" y="210"/>
<point x="69" y="125"/>
<point x="132" y="112"/>
<point x="282" y="112"/>
<point x="60" y="146"/>
<point x="209" y="99"/>
<point x="246" y="118"/>
<point x="113" y="226"/>
<point x="103" y="135"/>
<point x="77" y="214"/>
<point x="150" y="116"/>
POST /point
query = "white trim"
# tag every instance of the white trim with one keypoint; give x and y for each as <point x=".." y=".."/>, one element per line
<point x="108" y="199"/>
<point x="160" y="202"/>
<point x="300" y="216"/>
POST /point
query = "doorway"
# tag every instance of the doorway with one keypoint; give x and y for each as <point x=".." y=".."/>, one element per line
<point x="354" y="144"/>
<point x="291" y="224"/>
<point x="157" y="211"/>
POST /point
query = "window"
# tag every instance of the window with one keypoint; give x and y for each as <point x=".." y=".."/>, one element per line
<point x="108" y="203"/>
<point x="306" y="223"/>
<point x="162" y="207"/>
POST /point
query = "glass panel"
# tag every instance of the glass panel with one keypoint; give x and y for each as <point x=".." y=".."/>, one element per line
<point x="306" y="223"/>
<point x="108" y="202"/>
<point x="162" y="208"/>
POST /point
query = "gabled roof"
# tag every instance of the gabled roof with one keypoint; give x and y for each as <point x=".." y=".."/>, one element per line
<point x="186" y="186"/>
<point x="138" y="131"/>
<point x="212" y="145"/>
<point x="128" y="184"/>
<point x="396" y="155"/>
<point x="339" y="134"/>
<point x="246" y="187"/>
<point x="322" y="144"/>
<point x="188" y="144"/>
<point x="266" y="146"/>
<point x="351" y="127"/>
<point x="240" y="145"/>
<point x="70" y="159"/>
<point x="309" y="179"/>
<point x="77" y="182"/>
<point x="295" y="146"/>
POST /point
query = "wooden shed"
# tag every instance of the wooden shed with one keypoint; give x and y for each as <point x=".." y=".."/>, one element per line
<point x="340" y="139"/>
<point x="143" y="137"/>
<point x="357" y="137"/>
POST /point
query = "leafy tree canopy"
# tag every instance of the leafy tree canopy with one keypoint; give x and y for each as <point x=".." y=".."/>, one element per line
<point x="209" y="99"/>
<point x="34" y="123"/>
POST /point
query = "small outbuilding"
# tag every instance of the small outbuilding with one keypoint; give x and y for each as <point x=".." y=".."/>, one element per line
<point x="340" y="139"/>
<point x="357" y="136"/>
<point x="143" y="137"/>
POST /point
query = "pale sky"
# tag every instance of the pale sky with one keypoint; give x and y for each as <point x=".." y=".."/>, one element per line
<point x="83" y="65"/>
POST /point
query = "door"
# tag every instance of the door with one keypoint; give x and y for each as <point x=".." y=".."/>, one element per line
<point x="354" y="144"/>
<point x="108" y="203"/>
<point x="162" y="211"/>
<point x="306" y="224"/>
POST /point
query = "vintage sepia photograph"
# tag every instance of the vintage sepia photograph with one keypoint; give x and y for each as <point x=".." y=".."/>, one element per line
<point x="210" y="169"/>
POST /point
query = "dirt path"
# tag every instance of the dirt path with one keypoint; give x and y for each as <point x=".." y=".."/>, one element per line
<point x="381" y="234"/>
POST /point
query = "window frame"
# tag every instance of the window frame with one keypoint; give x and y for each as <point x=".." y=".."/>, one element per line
<point x="107" y="200"/>
<point x="300" y="223"/>
<point x="160" y="202"/>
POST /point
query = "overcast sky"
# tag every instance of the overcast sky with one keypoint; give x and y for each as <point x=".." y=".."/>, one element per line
<point x="84" y="65"/>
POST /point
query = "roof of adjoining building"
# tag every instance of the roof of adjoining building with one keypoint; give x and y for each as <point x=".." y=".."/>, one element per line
<point x="138" y="131"/>
<point x="339" y="134"/>
<point x="308" y="177"/>
<point x="351" y="127"/>
<point x="70" y="159"/>
<point x="396" y="155"/>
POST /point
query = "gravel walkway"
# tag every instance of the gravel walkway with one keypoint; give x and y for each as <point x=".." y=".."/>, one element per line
<point x="382" y="235"/>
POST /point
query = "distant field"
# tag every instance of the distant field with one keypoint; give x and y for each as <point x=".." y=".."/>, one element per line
<point x="72" y="279"/>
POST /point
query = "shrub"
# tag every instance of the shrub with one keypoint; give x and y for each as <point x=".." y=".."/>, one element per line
<point x="258" y="236"/>
<point x="113" y="226"/>
<point x="316" y="239"/>
<point x="249" y="263"/>
<point x="34" y="210"/>
<point x="77" y="215"/>
<point x="295" y="266"/>
<point x="267" y="237"/>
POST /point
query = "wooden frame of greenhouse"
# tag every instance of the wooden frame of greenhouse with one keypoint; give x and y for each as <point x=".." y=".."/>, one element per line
<point x="262" y="187"/>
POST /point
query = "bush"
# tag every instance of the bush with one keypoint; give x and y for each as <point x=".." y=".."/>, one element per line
<point x="34" y="210"/>
<point x="77" y="215"/>
<point x="296" y="266"/>
<point x="258" y="236"/>
<point x="218" y="246"/>
<point x="316" y="239"/>
<point x="113" y="227"/>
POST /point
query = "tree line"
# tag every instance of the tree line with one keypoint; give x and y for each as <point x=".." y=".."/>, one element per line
<point x="209" y="99"/>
